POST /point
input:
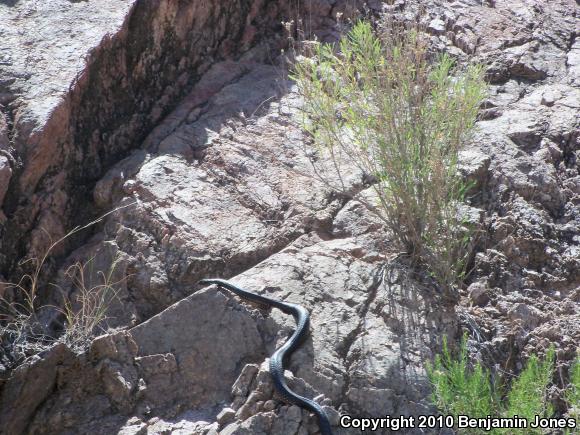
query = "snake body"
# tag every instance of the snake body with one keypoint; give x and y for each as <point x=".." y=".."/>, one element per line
<point x="302" y="318"/>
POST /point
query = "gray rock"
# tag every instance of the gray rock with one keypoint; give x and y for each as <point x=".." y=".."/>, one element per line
<point x="474" y="166"/>
<point x="29" y="386"/>
<point x="333" y="415"/>
<point x="478" y="293"/>
<point x="226" y="416"/>
<point x="529" y="316"/>
<point x="134" y="426"/>
<point x="222" y="187"/>
<point x="4" y="129"/>
<point x="269" y="405"/>
<point x="77" y="108"/>
<point x="230" y="429"/>
<point x="436" y="26"/>
<point x="5" y="175"/>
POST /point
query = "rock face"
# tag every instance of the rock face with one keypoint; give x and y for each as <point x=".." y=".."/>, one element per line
<point x="185" y="119"/>
<point x="259" y="209"/>
<point x="529" y="262"/>
<point x="524" y="160"/>
<point x="74" y="108"/>
<point x="368" y="339"/>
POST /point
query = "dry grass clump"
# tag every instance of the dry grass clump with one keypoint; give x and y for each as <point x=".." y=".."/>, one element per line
<point x="85" y="313"/>
<point x="23" y="328"/>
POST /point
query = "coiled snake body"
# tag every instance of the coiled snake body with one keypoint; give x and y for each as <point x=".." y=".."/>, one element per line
<point x="302" y="318"/>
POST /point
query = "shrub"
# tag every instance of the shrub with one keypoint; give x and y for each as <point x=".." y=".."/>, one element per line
<point x="573" y="393"/>
<point x="459" y="389"/>
<point x="379" y="103"/>
<point x="527" y="395"/>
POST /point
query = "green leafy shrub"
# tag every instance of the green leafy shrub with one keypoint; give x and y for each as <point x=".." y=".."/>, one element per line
<point x="378" y="102"/>
<point x="527" y="395"/>
<point x="459" y="389"/>
<point x="573" y="393"/>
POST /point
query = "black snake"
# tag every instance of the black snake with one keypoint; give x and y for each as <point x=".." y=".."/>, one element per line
<point x="302" y="318"/>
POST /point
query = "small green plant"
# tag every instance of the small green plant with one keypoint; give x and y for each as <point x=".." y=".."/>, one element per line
<point x="378" y="102"/>
<point x="572" y="395"/>
<point x="461" y="389"/>
<point x="527" y="395"/>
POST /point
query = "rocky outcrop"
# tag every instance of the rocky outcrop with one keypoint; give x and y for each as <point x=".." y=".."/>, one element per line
<point x="369" y="338"/>
<point x="212" y="193"/>
<point x="524" y="158"/>
<point x="79" y="97"/>
<point x="223" y="189"/>
<point x="221" y="186"/>
<point x="529" y="261"/>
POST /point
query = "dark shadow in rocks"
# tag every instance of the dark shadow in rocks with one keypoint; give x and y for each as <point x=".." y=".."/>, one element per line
<point x="419" y="316"/>
<point x="422" y="301"/>
<point x="230" y="91"/>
